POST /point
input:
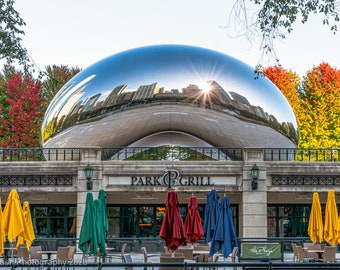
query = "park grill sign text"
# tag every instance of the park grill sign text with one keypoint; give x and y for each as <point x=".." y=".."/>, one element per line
<point x="174" y="177"/>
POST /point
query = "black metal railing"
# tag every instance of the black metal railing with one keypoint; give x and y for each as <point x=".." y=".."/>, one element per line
<point x="310" y="180"/>
<point x="184" y="266"/>
<point x="156" y="244"/>
<point x="39" y="154"/>
<point x="36" y="180"/>
<point x="170" y="153"/>
<point x="302" y="154"/>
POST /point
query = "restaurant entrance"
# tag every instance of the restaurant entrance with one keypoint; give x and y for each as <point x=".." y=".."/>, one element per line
<point x="146" y="220"/>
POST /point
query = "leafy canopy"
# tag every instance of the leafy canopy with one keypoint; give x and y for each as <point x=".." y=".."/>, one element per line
<point x="11" y="49"/>
<point x="274" y="19"/>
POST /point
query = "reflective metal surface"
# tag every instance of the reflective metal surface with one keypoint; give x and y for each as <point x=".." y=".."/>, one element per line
<point x="165" y="89"/>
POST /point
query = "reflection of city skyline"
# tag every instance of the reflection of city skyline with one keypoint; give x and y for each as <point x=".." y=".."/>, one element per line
<point x="76" y="110"/>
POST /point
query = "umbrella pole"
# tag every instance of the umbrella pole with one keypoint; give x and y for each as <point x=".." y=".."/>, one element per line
<point x="12" y="249"/>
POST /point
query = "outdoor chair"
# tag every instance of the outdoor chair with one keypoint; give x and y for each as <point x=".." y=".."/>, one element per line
<point x="170" y="259"/>
<point x="329" y="254"/>
<point x="214" y="259"/>
<point x="23" y="254"/>
<point x="295" y="252"/>
<point x="71" y="252"/>
<point x="62" y="257"/>
<point x="301" y="255"/>
<point x="201" y="258"/>
<point x="187" y="252"/>
<point x="34" y="253"/>
<point x="127" y="259"/>
<point x="202" y="247"/>
<point x="111" y="256"/>
<point x="171" y="255"/>
<point x="311" y="246"/>
<point x="153" y="258"/>
<point x="233" y="255"/>
<point x="62" y="254"/>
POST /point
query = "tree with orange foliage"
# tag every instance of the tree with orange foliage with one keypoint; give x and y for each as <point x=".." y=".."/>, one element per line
<point x="288" y="82"/>
<point x="320" y="103"/>
<point x="316" y="103"/>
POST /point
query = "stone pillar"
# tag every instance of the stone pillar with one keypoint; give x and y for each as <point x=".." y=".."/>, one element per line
<point x="254" y="202"/>
<point x="91" y="155"/>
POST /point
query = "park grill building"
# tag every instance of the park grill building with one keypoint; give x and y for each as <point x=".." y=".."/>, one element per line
<point x="144" y="116"/>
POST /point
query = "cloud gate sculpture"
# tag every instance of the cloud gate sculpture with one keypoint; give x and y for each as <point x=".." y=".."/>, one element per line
<point x="169" y="95"/>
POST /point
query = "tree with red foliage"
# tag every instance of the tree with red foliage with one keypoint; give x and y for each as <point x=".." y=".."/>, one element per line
<point x="19" y="127"/>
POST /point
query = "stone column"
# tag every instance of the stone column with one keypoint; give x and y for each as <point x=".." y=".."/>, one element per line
<point x="92" y="156"/>
<point x="254" y="202"/>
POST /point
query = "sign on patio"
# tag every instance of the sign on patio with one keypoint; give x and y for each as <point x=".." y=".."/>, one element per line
<point x="261" y="251"/>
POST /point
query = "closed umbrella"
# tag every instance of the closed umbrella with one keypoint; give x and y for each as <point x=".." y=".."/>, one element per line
<point x="224" y="238"/>
<point x="2" y="233"/>
<point x="102" y="220"/>
<point x="211" y="212"/>
<point x="88" y="242"/>
<point x="99" y="228"/>
<point x="331" y="219"/>
<point x="193" y="223"/>
<point x="29" y="225"/>
<point x="172" y="229"/>
<point x="315" y="226"/>
<point x="338" y="231"/>
<point x="13" y="218"/>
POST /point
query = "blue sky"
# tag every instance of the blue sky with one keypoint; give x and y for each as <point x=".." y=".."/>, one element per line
<point x="79" y="33"/>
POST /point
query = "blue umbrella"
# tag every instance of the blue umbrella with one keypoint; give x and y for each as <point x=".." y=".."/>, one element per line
<point x="224" y="238"/>
<point x="211" y="212"/>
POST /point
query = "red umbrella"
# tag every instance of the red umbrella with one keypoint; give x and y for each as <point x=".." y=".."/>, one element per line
<point x="172" y="230"/>
<point x="193" y="224"/>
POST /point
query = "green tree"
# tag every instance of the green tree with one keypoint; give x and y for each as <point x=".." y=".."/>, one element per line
<point x="11" y="49"/>
<point x="53" y="80"/>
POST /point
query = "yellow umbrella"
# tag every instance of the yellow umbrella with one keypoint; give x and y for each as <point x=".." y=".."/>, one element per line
<point x="338" y="232"/>
<point x="13" y="218"/>
<point x="331" y="219"/>
<point x="315" y="226"/>
<point x="29" y="226"/>
<point x="2" y="233"/>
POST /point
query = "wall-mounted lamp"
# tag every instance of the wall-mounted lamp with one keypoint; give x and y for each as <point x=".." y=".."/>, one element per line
<point x="255" y="171"/>
<point x="88" y="174"/>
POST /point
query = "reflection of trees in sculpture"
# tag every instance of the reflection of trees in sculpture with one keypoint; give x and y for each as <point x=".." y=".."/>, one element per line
<point x="217" y="98"/>
<point x="169" y="152"/>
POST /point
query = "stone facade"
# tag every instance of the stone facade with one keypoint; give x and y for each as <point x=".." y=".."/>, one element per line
<point x="232" y="178"/>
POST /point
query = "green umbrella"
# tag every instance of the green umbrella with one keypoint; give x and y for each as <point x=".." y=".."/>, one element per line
<point x="99" y="228"/>
<point x="102" y="220"/>
<point x="88" y="238"/>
